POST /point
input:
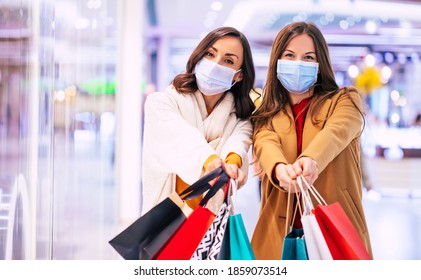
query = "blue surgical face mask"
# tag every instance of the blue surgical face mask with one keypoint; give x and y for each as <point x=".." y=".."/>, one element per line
<point x="297" y="76"/>
<point x="213" y="78"/>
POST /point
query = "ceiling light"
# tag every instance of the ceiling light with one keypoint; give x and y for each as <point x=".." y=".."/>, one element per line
<point x="370" y="27"/>
<point x="386" y="73"/>
<point x="415" y="57"/>
<point x="370" y="60"/>
<point x="394" y="95"/>
<point x="401" y="58"/>
<point x="388" y="57"/>
<point x="353" y="71"/>
<point x="60" y="95"/>
<point x="216" y="6"/>
<point x="344" y="24"/>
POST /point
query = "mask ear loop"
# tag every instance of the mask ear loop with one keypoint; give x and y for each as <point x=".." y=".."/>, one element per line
<point x="234" y="75"/>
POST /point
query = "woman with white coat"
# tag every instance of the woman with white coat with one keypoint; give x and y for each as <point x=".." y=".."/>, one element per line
<point x="201" y="121"/>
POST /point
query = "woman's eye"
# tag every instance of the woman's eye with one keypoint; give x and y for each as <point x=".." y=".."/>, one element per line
<point x="309" y="57"/>
<point x="229" y="61"/>
<point x="209" y="54"/>
<point x="288" y="55"/>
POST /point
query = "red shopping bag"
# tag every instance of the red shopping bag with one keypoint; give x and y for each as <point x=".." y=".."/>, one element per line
<point x="183" y="244"/>
<point x="341" y="236"/>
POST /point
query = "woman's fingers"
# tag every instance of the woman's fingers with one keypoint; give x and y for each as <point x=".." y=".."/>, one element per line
<point x="232" y="170"/>
<point x="285" y="174"/>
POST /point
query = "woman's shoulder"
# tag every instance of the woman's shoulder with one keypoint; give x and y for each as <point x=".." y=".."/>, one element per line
<point x="349" y="89"/>
<point x="346" y="90"/>
<point x="348" y="93"/>
<point x="159" y="96"/>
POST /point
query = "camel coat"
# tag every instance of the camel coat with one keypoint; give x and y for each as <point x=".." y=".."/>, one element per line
<point x="334" y="143"/>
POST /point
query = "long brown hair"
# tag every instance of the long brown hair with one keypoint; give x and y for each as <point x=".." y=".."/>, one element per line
<point x="186" y="82"/>
<point x="275" y="96"/>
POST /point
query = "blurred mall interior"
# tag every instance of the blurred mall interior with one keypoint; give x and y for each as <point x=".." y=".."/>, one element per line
<point x="74" y="75"/>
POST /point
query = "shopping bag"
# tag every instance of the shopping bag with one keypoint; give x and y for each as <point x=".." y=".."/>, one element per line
<point x="224" y="251"/>
<point x="315" y="242"/>
<point x="188" y="236"/>
<point x="316" y="245"/>
<point x="294" y="246"/>
<point x="210" y="245"/>
<point x="341" y="237"/>
<point x="236" y="243"/>
<point x="240" y="247"/>
<point x="145" y="236"/>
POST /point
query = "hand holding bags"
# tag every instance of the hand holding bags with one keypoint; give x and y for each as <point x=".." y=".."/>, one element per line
<point x="188" y="236"/>
<point x="340" y="234"/>
<point x="145" y="237"/>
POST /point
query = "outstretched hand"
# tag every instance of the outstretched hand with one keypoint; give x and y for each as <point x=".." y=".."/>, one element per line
<point x="232" y="170"/>
<point x="286" y="174"/>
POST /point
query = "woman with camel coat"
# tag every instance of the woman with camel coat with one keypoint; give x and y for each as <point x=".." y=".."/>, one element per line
<point x="306" y="125"/>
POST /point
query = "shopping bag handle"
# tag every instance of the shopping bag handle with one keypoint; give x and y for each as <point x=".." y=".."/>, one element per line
<point x="221" y="181"/>
<point x="297" y="207"/>
<point x="232" y="195"/>
<point x="313" y="191"/>
<point x="308" y="204"/>
<point x="201" y="185"/>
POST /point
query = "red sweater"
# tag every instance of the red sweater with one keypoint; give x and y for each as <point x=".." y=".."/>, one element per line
<point x="299" y="110"/>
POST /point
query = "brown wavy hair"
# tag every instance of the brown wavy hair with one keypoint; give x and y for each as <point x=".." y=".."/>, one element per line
<point x="186" y="82"/>
<point x="275" y="96"/>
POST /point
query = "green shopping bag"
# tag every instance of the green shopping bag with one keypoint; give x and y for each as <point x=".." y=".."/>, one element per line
<point x="294" y="247"/>
<point x="240" y="247"/>
<point x="236" y="243"/>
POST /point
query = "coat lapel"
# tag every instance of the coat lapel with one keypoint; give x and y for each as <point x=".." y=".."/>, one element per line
<point x="283" y="124"/>
<point x="310" y="129"/>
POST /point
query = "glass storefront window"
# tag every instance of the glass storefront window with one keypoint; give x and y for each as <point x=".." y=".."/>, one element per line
<point x="84" y="118"/>
<point x="15" y="130"/>
<point x="57" y="129"/>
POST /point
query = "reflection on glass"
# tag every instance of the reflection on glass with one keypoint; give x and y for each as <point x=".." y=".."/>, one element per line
<point x="57" y="66"/>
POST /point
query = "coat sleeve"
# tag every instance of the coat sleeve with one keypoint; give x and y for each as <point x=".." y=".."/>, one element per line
<point x="343" y="124"/>
<point x="171" y="144"/>
<point x="239" y="142"/>
<point x="268" y="150"/>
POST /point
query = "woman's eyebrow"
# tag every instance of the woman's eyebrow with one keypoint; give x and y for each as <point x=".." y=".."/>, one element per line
<point x="227" y="54"/>
<point x="310" y="52"/>
<point x="231" y="54"/>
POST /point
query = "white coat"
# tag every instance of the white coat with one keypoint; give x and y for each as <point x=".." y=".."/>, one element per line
<point x="179" y="136"/>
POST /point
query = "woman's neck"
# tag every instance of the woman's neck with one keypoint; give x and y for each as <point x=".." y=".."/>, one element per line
<point x="297" y="98"/>
<point x="212" y="101"/>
